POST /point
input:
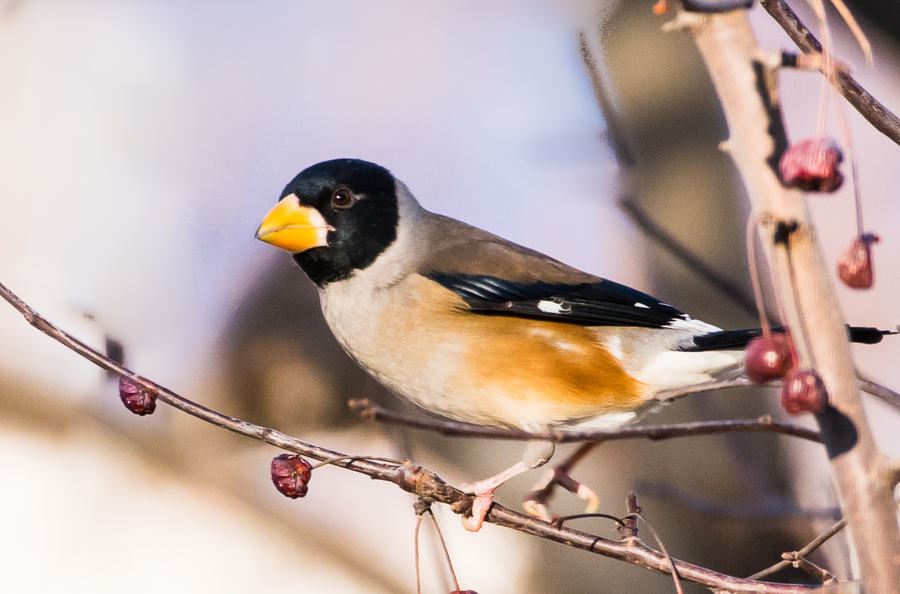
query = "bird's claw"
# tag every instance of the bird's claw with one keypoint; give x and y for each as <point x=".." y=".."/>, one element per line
<point x="537" y="509"/>
<point x="480" y="506"/>
<point x="585" y="493"/>
<point x="536" y="502"/>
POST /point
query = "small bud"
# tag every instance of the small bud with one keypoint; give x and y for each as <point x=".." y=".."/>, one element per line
<point x="768" y="357"/>
<point x="137" y="398"/>
<point x="855" y="265"/>
<point x="291" y="474"/>
<point x="803" y="392"/>
<point x="812" y="165"/>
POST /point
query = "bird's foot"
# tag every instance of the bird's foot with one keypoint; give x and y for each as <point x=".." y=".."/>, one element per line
<point x="484" y="495"/>
<point x="537" y="509"/>
<point x="536" y="502"/>
<point x="480" y="506"/>
<point x="587" y="494"/>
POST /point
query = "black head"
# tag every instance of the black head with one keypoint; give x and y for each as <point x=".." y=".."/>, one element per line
<point x="359" y="200"/>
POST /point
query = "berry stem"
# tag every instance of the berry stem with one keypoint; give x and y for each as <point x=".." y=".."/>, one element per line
<point x="754" y="275"/>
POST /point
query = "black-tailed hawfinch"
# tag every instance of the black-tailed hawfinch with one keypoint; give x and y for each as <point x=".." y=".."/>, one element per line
<point x="476" y="328"/>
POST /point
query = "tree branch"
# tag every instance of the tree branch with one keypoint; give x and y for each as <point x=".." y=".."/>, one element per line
<point x="412" y="478"/>
<point x="808" y="549"/>
<point x="763" y="424"/>
<point x="747" y="90"/>
<point x="882" y="392"/>
<point x="868" y="106"/>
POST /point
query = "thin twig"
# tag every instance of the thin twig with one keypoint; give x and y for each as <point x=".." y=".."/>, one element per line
<point x="409" y="477"/>
<point x="559" y="521"/>
<point x="881" y="118"/>
<point x="445" y="549"/>
<point x="751" y="239"/>
<point x="857" y="31"/>
<point x="343" y="458"/>
<point x="763" y="424"/>
<point x="416" y="553"/>
<point x="662" y="547"/>
<point x="805" y="551"/>
<point x="879" y="391"/>
<point x="825" y="576"/>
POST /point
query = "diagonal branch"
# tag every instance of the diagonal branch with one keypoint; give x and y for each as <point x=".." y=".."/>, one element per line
<point x="412" y="478"/>
<point x="815" y="544"/>
<point x="881" y="118"/>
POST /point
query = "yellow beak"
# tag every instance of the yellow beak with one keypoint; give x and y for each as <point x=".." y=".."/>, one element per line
<point x="293" y="227"/>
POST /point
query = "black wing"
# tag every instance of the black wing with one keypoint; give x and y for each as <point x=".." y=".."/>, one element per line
<point x="603" y="303"/>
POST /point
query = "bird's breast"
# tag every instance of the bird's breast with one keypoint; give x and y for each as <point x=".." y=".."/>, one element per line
<point x="417" y="339"/>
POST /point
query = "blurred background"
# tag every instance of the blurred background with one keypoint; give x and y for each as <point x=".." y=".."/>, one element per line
<point x="141" y="142"/>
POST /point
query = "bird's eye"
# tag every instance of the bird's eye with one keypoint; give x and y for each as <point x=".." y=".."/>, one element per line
<point x="342" y="198"/>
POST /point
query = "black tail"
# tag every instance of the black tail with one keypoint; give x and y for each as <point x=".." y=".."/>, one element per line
<point x="738" y="339"/>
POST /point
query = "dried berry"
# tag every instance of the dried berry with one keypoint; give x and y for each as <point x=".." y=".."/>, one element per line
<point x="803" y="392"/>
<point x="812" y="165"/>
<point x="137" y="398"/>
<point x="291" y="474"/>
<point x="768" y="357"/>
<point x="855" y="266"/>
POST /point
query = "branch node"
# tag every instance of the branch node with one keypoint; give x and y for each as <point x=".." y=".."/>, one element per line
<point x="800" y="562"/>
<point x="422" y="505"/>
<point x="410" y="478"/>
<point x="628" y="529"/>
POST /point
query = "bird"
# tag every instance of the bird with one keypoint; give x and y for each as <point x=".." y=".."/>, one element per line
<point x="475" y="328"/>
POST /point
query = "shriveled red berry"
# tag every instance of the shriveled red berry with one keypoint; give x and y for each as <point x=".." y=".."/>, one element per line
<point x="768" y="357"/>
<point x="137" y="398"/>
<point x="291" y="474"/>
<point x="855" y="266"/>
<point x="803" y="392"/>
<point x="812" y="165"/>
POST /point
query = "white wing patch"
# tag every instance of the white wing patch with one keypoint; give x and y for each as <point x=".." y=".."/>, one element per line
<point x="553" y="307"/>
<point x="642" y="305"/>
<point x="691" y="325"/>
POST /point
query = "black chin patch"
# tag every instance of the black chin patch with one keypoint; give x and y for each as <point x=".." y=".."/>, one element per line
<point x="363" y="231"/>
